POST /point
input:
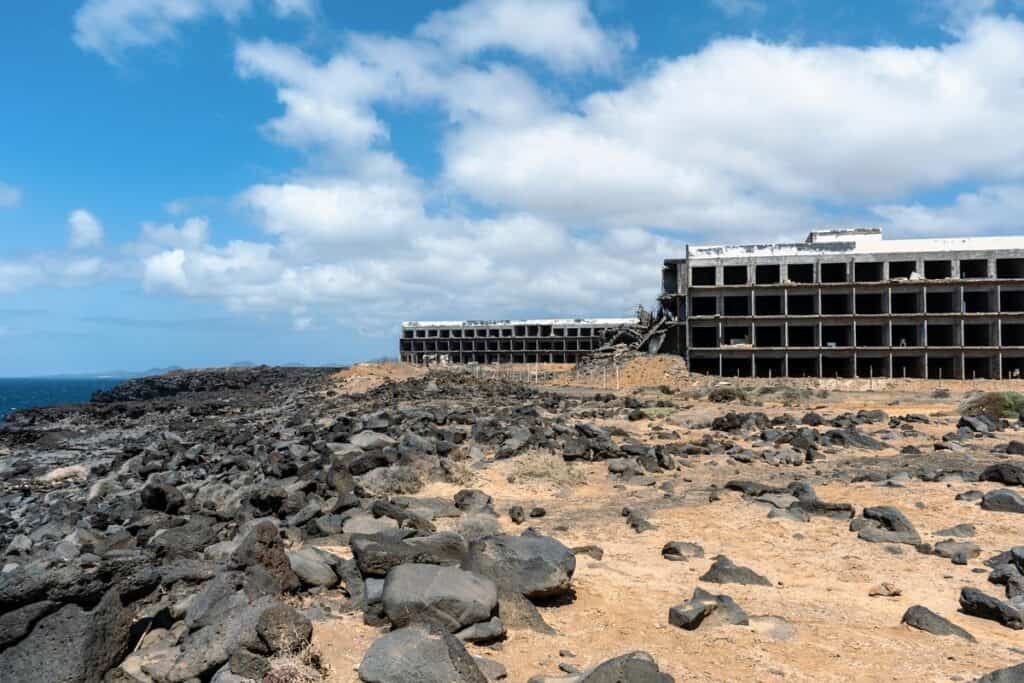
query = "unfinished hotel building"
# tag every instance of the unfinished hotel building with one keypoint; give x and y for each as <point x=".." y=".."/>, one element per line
<point x="848" y="303"/>
<point x="506" y="341"/>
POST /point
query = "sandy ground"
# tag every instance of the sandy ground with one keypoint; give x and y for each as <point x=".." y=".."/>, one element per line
<point x="363" y="377"/>
<point x="822" y="572"/>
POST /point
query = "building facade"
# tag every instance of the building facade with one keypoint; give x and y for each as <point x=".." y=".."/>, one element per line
<point x="849" y="303"/>
<point x="506" y="341"/>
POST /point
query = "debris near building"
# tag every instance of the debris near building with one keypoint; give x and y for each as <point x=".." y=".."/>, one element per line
<point x="624" y="367"/>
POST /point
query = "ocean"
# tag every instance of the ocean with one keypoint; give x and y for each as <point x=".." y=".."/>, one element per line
<point x="30" y="392"/>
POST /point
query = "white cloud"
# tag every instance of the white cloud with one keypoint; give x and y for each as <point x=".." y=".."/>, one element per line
<point x="85" y="230"/>
<point x="10" y="196"/>
<point x="987" y="211"/>
<point x="336" y="210"/>
<point x="561" y="33"/>
<point x="193" y="232"/>
<point x="736" y="8"/>
<point x="111" y="27"/>
<point x="284" y="8"/>
<point x="749" y="134"/>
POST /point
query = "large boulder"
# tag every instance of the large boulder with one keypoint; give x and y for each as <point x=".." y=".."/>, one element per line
<point x="1008" y="473"/>
<point x="377" y="555"/>
<point x="447" y="596"/>
<point x="723" y="570"/>
<point x="635" y="667"/>
<point x="261" y="552"/>
<point x="1011" y="674"/>
<point x="706" y="609"/>
<point x="71" y="645"/>
<point x="978" y="604"/>
<point x="312" y="568"/>
<point x="420" y="653"/>
<point x="1003" y="500"/>
<point x="534" y="565"/>
<point x="886" y="524"/>
<point x="920" y="617"/>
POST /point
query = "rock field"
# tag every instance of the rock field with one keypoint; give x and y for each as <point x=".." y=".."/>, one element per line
<point x="293" y="525"/>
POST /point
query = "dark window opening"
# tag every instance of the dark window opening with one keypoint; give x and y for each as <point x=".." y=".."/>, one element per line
<point x="735" y="367"/>
<point x="978" y="334"/>
<point x="801" y="304"/>
<point x="901" y="270"/>
<point x="735" y="275"/>
<point x="800" y="272"/>
<point x="703" y="337"/>
<point x="833" y="272"/>
<point x="769" y="367"/>
<point x="801" y="335"/>
<point x="978" y="368"/>
<point x="941" y="368"/>
<point x="973" y="268"/>
<point x="867" y="272"/>
<point x="1010" y="268"/>
<point x="836" y="367"/>
<point x="938" y="270"/>
<point x="803" y="367"/>
<point x="906" y="302"/>
<point x="735" y="334"/>
<point x="872" y="367"/>
<point x="702" y="276"/>
<point x="767" y="335"/>
<point x="907" y="366"/>
<point x="705" y="305"/>
<point x="942" y="302"/>
<point x="768" y="305"/>
<point x="767" y="275"/>
<point x="1013" y="367"/>
<point x="978" y="302"/>
<point x="906" y="335"/>
<point x="670" y="279"/>
<point x="835" y="304"/>
<point x="870" y="335"/>
<point x="1011" y="301"/>
<point x="870" y="304"/>
<point x="941" y="335"/>
<point x="704" y="366"/>
<point x="736" y="305"/>
<point x="835" y="335"/>
<point x="1013" y="334"/>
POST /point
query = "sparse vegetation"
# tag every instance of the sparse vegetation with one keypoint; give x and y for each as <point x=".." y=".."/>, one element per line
<point x="543" y="465"/>
<point x="994" y="404"/>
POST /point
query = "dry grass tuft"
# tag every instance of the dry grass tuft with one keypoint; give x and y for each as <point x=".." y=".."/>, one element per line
<point x="540" y="464"/>
<point x="307" y="666"/>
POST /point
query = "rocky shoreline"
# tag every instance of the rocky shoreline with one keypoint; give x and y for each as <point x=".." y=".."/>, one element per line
<point x="185" y="527"/>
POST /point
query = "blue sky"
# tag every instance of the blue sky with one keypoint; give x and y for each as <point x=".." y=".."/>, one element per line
<point x="200" y="182"/>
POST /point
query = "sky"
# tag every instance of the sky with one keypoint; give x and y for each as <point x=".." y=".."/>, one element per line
<point x="203" y="182"/>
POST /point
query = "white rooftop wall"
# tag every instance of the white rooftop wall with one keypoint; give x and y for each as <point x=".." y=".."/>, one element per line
<point x="569" y="322"/>
<point x="855" y="241"/>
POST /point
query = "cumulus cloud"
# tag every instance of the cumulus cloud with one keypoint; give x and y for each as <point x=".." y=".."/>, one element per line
<point x="10" y="196"/>
<point x="85" y="230"/>
<point x="745" y="127"/>
<point x="192" y="233"/>
<point x="284" y="8"/>
<point x="561" y="33"/>
<point x="988" y="210"/>
<point x="111" y="27"/>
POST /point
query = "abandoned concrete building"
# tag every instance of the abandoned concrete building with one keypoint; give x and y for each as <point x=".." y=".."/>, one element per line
<point x="506" y="341"/>
<point x="849" y="303"/>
